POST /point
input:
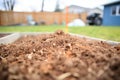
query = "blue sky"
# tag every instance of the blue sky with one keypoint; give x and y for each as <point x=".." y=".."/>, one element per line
<point x="35" y="5"/>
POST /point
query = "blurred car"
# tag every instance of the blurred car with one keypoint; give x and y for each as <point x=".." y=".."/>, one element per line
<point x="94" y="19"/>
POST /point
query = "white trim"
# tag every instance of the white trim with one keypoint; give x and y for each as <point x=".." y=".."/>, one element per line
<point x="119" y="10"/>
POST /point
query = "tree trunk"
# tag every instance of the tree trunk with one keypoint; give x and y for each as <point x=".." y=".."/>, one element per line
<point x="42" y="5"/>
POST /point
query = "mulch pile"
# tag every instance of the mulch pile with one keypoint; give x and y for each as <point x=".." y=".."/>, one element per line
<point x="59" y="56"/>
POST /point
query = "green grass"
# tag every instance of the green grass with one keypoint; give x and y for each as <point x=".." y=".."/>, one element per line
<point x="30" y="28"/>
<point x="108" y="33"/>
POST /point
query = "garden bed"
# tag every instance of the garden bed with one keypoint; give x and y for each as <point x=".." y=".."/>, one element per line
<point x="59" y="56"/>
<point x="4" y="34"/>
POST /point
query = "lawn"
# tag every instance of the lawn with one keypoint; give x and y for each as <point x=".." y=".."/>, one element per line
<point x="108" y="33"/>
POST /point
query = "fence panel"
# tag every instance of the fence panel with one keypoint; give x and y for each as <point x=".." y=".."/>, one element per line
<point x="10" y="18"/>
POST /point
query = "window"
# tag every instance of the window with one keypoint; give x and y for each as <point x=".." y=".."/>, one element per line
<point x="116" y="10"/>
<point x="113" y="10"/>
<point x="119" y="10"/>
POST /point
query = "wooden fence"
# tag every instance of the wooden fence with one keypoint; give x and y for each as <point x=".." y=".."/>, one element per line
<point x="10" y="18"/>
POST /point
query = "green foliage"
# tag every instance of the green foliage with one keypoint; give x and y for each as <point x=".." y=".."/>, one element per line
<point x="108" y="33"/>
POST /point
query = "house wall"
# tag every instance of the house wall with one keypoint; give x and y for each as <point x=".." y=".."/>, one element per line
<point x="108" y="18"/>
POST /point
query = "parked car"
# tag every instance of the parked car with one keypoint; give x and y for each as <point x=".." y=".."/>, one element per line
<point x="94" y="19"/>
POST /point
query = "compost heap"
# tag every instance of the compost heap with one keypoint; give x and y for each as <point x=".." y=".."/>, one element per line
<point x="59" y="56"/>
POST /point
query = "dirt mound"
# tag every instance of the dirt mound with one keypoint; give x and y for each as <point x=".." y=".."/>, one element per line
<point x="59" y="56"/>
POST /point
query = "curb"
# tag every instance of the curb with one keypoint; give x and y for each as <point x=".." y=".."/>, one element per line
<point x="14" y="36"/>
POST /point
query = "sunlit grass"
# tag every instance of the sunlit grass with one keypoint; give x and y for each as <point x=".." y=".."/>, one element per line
<point x="30" y="28"/>
<point x="109" y="33"/>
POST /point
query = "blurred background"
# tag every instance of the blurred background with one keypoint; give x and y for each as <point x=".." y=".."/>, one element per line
<point x="34" y="12"/>
<point x="49" y="15"/>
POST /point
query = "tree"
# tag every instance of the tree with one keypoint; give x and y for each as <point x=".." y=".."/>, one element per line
<point x="42" y="5"/>
<point x="57" y="9"/>
<point x="9" y="4"/>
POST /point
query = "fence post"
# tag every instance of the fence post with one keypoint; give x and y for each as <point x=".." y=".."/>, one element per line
<point x="67" y="19"/>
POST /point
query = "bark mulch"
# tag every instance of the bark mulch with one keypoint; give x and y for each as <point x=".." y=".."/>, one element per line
<point x="59" y="56"/>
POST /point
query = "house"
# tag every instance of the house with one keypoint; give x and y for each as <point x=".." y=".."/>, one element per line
<point x="76" y="9"/>
<point x="111" y="14"/>
<point x="95" y="10"/>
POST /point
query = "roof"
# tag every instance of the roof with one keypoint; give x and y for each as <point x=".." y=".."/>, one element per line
<point x="97" y="8"/>
<point x="116" y="2"/>
<point x="76" y="6"/>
